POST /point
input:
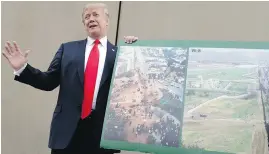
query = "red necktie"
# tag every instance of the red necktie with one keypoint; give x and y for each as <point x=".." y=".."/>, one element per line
<point x="90" y="75"/>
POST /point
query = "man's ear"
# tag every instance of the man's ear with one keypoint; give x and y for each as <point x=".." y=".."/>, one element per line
<point x="107" y="21"/>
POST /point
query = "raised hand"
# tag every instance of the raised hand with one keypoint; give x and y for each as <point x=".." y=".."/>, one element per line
<point x="130" y="39"/>
<point x="15" y="56"/>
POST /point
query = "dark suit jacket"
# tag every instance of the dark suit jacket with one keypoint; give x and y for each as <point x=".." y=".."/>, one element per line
<point x="67" y="70"/>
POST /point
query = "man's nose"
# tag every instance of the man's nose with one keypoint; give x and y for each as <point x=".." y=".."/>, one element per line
<point x="92" y="19"/>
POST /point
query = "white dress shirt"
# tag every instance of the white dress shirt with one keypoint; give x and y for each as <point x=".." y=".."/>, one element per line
<point x="102" y="57"/>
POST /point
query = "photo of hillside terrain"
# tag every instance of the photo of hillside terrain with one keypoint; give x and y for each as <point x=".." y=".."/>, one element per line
<point x="225" y="97"/>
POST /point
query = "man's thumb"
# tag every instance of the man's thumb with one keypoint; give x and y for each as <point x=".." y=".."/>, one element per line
<point x="26" y="53"/>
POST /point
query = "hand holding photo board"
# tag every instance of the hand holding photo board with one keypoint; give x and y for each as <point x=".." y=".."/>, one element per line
<point x="188" y="97"/>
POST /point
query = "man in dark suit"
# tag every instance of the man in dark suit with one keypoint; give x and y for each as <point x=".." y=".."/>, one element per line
<point x="83" y="70"/>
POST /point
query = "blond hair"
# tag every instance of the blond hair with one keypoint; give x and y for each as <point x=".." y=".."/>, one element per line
<point x="95" y="5"/>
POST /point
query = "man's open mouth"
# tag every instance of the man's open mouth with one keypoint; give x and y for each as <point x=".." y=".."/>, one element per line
<point x="93" y="26"/>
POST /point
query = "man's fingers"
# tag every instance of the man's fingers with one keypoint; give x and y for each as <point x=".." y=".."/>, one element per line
<point x="17" y="49"/>
<point x="7" y="49"/>
<point x="130" y="39"/>
<point x="11" y="50"/>
<point x="134" y="39"/>
<point x="26" y="53"/>
<point x="16" y="46"/>
<point x="6" y="54"/>
<point x="125" y="39"/>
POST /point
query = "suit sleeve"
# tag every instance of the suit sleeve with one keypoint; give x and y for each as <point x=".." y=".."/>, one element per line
<point x="46" y="81"/>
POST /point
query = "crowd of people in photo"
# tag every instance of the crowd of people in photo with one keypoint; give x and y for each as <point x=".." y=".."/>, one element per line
<point x="165" y="132"/>
<point x="115" y="125"/>
<point x="158" y="128"/>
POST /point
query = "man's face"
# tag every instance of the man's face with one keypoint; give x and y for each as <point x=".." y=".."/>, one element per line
<point x="95" y="22"/>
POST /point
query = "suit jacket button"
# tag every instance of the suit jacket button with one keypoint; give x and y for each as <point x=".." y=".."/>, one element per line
<point x="79" y="107"/>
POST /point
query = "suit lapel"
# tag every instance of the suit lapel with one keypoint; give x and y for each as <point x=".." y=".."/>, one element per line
<point x="109" y="62"/>
<point x="81" y="60"/>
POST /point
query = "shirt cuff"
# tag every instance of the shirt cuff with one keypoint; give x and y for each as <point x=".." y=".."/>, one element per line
<point x="17" y="73"/>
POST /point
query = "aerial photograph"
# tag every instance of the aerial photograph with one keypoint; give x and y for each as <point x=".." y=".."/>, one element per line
<point x="146" y="97"/>
<point x="225" y="98"/>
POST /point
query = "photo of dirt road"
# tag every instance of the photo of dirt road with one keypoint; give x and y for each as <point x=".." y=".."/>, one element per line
<point x="225" y="97"/>
<point x="146" y="100"/>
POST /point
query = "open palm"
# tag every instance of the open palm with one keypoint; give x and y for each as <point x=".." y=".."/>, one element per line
<point x="15" y="56"/>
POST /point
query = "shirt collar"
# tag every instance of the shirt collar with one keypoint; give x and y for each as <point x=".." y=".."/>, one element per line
<point x="103" y="41"/>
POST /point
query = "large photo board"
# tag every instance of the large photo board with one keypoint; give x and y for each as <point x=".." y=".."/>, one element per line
<point x="187" y="97"/>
